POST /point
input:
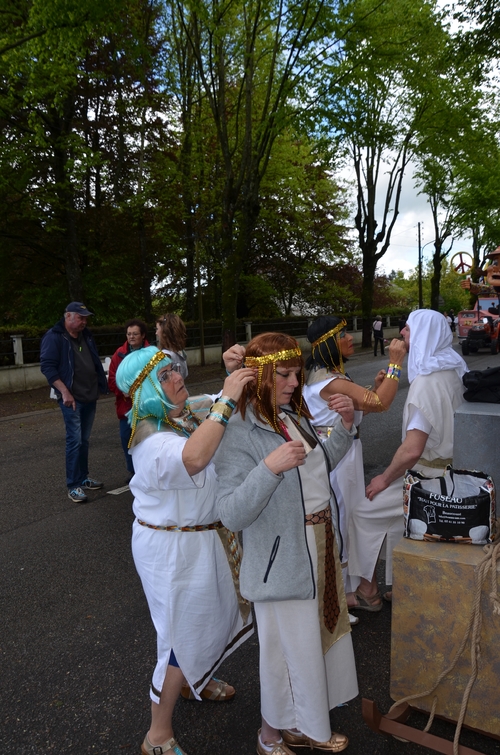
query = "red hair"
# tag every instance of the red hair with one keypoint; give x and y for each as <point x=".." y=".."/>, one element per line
<point x="264" y="404"/>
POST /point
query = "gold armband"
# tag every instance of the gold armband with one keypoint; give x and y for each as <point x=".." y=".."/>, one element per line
<point x="371" y="403"/>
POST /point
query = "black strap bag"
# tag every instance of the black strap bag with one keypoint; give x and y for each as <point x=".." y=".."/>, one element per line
<point x="482" y="385"/>
<point x="458" y="507"/>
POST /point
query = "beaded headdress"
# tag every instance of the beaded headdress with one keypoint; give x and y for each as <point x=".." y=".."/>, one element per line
<point x="136" y="388"/>
<point x="274" y="358"/>
<point x="158" y="357"/>
<point x="335" y="334"/>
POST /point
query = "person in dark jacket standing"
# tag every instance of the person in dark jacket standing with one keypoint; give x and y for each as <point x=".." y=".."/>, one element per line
<point x="136" y="339"/>
<point x="71" y="364"/>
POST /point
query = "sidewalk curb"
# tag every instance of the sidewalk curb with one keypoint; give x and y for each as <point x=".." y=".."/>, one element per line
<point x="24" y="415"/>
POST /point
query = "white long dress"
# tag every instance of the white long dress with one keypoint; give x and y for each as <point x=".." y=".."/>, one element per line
<point x="185" y="575"/>
<point x="347" y="479"/>
<point x="299" y="682"/>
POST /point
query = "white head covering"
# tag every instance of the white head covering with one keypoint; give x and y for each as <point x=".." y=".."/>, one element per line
<point x="430" y="345"/>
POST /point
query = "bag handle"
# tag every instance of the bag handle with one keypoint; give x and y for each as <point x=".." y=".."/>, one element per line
<point x="442" y="483"/>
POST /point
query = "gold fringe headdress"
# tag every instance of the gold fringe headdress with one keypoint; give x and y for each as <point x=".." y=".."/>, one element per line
<point x="335" y="334"/>
<point x="136" y="389"/>
<point x="259" y="362"/>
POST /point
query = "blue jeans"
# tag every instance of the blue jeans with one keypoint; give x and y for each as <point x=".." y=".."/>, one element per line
<point x="78" y="428"/>
<point x="125" y="432"/>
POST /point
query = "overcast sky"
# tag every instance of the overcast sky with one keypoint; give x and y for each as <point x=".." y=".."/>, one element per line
<point x="403" y="251"/>
<point x="413" y="208"/>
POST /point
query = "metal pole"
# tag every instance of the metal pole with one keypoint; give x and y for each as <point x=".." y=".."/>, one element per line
<point x="200" y="306"/>
<point x="420" y="297"/>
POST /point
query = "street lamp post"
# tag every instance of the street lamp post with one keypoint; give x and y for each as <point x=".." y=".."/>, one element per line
<point x="420" y="297"/>
<point x="420" y="261"/>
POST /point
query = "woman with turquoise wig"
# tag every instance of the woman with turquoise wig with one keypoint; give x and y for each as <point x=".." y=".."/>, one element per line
<point x="187" y="561"/>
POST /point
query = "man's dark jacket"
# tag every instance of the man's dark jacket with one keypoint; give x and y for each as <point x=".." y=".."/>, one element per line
<point x="57" y="359"/>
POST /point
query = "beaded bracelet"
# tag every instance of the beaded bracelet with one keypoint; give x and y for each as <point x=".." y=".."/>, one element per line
<point x="393" y="371"/>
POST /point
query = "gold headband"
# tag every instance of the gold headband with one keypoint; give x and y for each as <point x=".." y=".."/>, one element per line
<point x="341" y="325"/>
<point x="324" y="338"/>
<point x="145" y="371"/>
<point x="278" y="356"/>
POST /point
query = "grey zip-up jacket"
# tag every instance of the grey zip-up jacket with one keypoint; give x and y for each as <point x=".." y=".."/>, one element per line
<point x="269" y="508"/>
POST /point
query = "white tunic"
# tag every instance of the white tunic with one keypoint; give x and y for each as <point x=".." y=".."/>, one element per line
<point x="347" y="479"/>
<point x="299" y="684"/>
<point x="185" y="575"/>
<point x="436" y="396"/>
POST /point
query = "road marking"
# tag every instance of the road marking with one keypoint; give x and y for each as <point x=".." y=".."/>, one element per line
<point x="118" y="491"/>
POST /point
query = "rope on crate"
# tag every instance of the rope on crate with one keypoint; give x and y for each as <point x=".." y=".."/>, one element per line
<point x="473" y="629"/>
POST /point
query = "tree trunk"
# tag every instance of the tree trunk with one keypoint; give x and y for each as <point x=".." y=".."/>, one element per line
<point x="369" y="268"/>
<point x="66" y="210"/>
<point x="436" y="275"/>
<point x="189" y="208"/>
<point x="146" y="271"/>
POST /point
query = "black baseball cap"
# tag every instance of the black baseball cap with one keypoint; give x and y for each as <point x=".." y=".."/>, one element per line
<point x="79" y="308"/>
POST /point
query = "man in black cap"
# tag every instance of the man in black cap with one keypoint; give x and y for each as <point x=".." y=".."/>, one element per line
<point x="71" y="364"/>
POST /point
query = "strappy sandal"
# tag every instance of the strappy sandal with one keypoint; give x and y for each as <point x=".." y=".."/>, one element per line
<point x="367" y="602"/>
<point x="217" y="695"/>
<point x="170" y="746"/>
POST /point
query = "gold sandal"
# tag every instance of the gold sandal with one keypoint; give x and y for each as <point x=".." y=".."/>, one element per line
<point x="367" y="602"/>
<point x="217" y="695"/>
<point x="336" y="743"/>
<point x="170" y="746"/>
<point x="278" y="748"/>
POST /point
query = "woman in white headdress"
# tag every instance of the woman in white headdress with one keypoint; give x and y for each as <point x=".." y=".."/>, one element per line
<point x="435" y="373"/>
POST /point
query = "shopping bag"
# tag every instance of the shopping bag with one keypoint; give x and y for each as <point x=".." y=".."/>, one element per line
<point x="458" y="507"/>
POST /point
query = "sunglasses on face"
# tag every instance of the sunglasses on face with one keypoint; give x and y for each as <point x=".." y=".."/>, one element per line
<point x="166" y="374"/>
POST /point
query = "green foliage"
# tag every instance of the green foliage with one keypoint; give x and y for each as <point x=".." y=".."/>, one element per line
<point x="404" y="289"/>
<point x="380" y="98"/>
<point x="152" y="145"/>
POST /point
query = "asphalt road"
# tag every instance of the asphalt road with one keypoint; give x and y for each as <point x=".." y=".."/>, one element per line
<point x="77" y="644"/>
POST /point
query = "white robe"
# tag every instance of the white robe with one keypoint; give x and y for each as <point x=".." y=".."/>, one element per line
<point x="347" y="479"/>
<point x="185" y="575"/>
<point x="436" y="396"/>
<point x="299" y="684"/>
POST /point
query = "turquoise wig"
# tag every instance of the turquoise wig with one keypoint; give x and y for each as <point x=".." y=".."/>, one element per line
<point x="148" y="399"/>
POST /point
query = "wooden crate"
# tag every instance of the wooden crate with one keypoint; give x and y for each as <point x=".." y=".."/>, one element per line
<point x="432" y="600"/>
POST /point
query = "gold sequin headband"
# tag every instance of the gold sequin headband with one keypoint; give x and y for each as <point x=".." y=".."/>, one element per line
<point x="259" y="362"/>
<point x="341" y="325"/>
<point x="278" y="356"/>
<point x="331" y="334"/>
<point x="145" y="371"/>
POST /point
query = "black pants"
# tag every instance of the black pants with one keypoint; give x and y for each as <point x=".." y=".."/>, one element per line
<point x="378" y="340"/>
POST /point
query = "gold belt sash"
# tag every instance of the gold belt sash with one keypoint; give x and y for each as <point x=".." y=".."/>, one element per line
<point x="174" y="528"/>
<point x="435" y="463"/>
